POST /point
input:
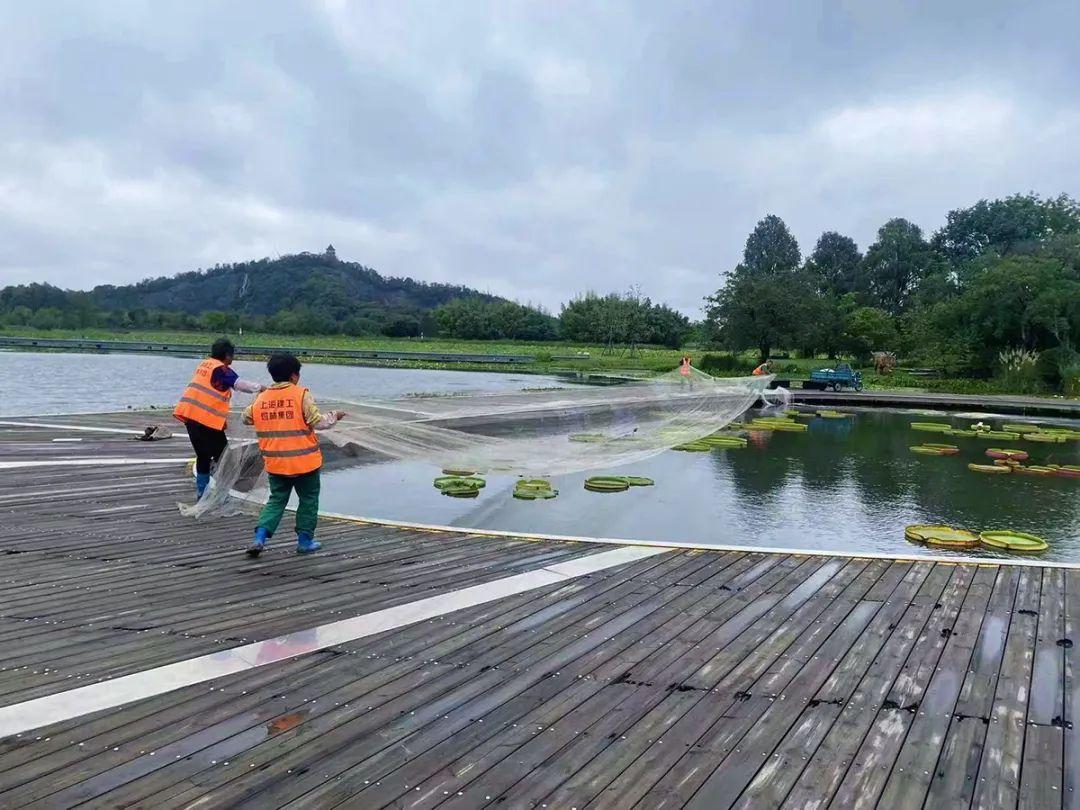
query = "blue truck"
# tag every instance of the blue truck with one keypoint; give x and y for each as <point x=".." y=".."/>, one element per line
<point x="843" y="376"/>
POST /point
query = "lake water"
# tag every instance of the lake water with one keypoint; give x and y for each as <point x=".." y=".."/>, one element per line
<point x="102" y="383"/>
<point x="843" y="485"/>
<point x="850" y="485"/>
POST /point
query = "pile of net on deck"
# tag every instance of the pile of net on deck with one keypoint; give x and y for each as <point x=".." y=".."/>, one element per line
<point x="534" y="433"/>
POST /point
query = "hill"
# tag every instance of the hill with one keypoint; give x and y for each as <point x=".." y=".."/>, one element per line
<point x="304" y="292"/>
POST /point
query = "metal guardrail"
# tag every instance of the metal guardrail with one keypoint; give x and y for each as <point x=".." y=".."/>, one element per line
<point x="155" y="347"/>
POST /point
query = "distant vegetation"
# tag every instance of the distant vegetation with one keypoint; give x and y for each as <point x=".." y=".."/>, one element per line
<point x="992" y="297"/>
<point x="318" y="294"/>
<point x="995" y="292"/>
<point x="306" y="293"/>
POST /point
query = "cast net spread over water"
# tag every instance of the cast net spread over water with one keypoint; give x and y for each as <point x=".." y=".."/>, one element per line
<point x="534" y="433"/>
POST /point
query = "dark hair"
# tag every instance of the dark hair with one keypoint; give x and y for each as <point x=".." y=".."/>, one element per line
<point x="222" y="349"/>
<point x="282" y="367"/>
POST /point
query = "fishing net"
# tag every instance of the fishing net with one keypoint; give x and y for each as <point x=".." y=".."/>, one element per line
<point x="532" y="433"/>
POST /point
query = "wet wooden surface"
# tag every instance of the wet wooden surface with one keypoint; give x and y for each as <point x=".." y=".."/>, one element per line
<point x="689" y="679"/>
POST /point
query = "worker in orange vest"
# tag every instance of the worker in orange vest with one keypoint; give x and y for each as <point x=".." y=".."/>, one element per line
<point x="286" y="417"/>
<point x="204" y="408"/>
<point x="762" y="369"/>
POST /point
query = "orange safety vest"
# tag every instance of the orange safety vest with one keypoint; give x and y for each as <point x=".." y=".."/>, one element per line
<point x="288" y="444"/>
<point x="760" y="370"/>
<point x="203" y="403"/>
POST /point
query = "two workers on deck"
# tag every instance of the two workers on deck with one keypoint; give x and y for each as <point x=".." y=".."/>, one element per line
<point x="285" y="418"/>
<point x="684" y="367"/>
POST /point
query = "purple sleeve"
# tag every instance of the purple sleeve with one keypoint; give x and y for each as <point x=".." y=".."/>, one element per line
<point x="223" y="378"/>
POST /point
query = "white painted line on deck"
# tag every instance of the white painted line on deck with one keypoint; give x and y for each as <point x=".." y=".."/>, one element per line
<point x="110" y="694"/>
<point x="88" y="428"/>
<point x="91" y="462"/>
<point x="684" y="545"/>
<point x="68" y="440"/>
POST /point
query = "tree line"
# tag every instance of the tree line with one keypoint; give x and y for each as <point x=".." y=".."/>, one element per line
<point x="1000" y="280"/>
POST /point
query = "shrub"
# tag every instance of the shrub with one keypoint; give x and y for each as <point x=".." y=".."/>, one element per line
<point x="1018" y="371"/>
<point x="1053" y="364"/>
<point x="723" y="364"/>
<point x="1071" y="381"/>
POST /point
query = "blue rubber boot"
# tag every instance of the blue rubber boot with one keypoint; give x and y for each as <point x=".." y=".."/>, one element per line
<point x="202" y="481"/>
<point x="305" y="543"/>
<point x="259" y="543"/>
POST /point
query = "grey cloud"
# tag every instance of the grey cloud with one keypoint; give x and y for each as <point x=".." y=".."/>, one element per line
<point x="534" y="149"/>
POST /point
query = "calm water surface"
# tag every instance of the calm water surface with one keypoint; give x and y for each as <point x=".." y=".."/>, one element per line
<point x="843" y="485"/>
<point x="847" y="485"/>
<point x="100" y="383"/>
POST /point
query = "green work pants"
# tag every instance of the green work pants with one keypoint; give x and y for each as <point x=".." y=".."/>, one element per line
<point x="307" y="512"/>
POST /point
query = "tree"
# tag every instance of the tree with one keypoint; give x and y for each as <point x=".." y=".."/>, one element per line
<point x="47" y="318"/>
<point x="754" y="312"/>
<point x="1029" y="302"/>
<point x="770" y="249"/>
<point x="868" y="329"/>
<point x="834" y="264"/>
<point x="666" y="327"/>
<point x="1014" y="224"/>
<point x="895" y="264"/>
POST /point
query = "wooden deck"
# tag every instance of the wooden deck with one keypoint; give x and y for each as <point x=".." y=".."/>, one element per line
<point x="686" y="679"/>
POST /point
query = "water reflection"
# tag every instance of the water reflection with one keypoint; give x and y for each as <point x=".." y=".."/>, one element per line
<point x="847" y="484"/>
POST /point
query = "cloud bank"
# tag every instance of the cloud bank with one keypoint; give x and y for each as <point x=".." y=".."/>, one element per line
<point x="533" y="150"/>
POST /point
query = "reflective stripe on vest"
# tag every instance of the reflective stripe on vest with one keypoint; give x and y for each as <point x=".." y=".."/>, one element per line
<point x="288" y="444"/>
<point x="202" y="403"/>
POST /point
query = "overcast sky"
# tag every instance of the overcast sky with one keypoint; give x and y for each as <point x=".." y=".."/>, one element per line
<point x="534" y="150"/>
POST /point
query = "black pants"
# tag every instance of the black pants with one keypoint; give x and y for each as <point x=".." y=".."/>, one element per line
<point x="208" y="444"/>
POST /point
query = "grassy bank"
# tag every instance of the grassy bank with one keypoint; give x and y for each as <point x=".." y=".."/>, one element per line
<point x="592" y="358"/>
<point x="587" y="357"/>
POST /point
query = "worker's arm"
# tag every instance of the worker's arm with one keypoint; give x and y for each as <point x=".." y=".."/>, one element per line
<point x="317" y="420"/>
<point x="225" y="378"/>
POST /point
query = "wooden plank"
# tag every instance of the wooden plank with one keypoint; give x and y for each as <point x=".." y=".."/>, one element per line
<point x="1071" y="721"/>
<point x="731" y="776"/>
<point x="953" y="781"/>
<point x="538" y="748"/>
<point x="446" y="768"/>
<point x="780" y="771"/>
<point x="609" y="747"/>
<point x="1044" y="744"/>
<point x="844" y="758"/>
<point x="998" y="784"/>
<point x="913" y="770"/>
<point x="411" y="689"/>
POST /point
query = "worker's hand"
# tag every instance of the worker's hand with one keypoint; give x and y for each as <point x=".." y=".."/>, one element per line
<point x="339" y="415"/>
<point x="262" y="388"/>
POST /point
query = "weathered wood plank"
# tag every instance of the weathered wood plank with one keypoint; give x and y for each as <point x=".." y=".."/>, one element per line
<point x="998" y="784"/>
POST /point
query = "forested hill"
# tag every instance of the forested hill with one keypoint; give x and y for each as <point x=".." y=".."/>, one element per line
<point x="317" y="291"/>
<point x="264" y="287"/>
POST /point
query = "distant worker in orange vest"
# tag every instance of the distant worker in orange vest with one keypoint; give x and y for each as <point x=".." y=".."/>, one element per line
<point x="684" y="365"/>
<point x="762" y="369"/>
<point x="204" y="408"/>
<point x="286" y="417"/>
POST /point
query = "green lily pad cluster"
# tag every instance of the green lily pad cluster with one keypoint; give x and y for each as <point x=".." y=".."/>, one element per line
<point x="707" y="443"/>
<point x="616" y="483"/>
<point x="460" y="486"/>
<point x="534" y="489"/>
<point x="831" y="414"/>
<point x="777" y="423"/>
<point x="931" y="427"/>
<point x="931" y="449"/>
